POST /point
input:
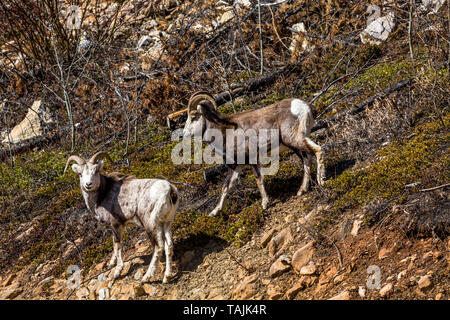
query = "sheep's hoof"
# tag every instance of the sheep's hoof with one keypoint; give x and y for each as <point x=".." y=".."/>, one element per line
<point x="168" y="277"/>
<point x="110" y="284"/>
<point x="264" y="203"/>
<point x="300" y="193"/>
<point x="117" y="273"/>
<point x="144" y="280"/>
<point x="147" y="276"/>
<point x="214" y="213"/>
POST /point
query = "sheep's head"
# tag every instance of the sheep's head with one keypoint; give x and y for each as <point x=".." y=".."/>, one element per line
<point x="198" y="105"/>
<point x="89" y="172"/>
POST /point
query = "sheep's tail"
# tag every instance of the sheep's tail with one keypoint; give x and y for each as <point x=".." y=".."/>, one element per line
<point x="174" y="197"/>
<point x="302" y="110"/>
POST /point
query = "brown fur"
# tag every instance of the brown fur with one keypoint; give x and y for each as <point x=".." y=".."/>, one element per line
<point x="292" y="119"/>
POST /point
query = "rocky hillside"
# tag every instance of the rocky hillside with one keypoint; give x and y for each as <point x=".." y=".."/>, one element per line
<point x="105" y="76"/>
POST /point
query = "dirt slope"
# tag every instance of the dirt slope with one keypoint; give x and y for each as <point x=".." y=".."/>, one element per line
<point x="379" y="228"/>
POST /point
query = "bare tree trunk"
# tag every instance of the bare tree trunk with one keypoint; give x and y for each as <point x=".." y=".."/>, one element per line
<point x="62" y="82"/>
<point x="260" y="38"/>
<point x="410" y="26"/>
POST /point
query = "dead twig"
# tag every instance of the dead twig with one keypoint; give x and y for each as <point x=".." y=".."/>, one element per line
<point x="235" y="260"/>
<point x="324" y="123"/>
<point x="435" y="188"/>
<point x="275" y="28"/>
<point x="338" y="254"/>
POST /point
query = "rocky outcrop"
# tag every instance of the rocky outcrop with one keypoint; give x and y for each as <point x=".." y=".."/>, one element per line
<point x="33" y="125"/>
<point x="152" y="44"/>
<point x="299" y="43"/>
<point x="431" y="6"/>
<point x="378" y="27"/>
<point x="302" y="256"/>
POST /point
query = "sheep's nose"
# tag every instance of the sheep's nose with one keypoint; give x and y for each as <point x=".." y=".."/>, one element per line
<point x="89" y="184"/>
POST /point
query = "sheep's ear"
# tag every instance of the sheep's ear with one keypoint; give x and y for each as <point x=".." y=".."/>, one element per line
<point x="78" y="169"/>
<point x="100" y="165"/>
<point x="202" y="109"/>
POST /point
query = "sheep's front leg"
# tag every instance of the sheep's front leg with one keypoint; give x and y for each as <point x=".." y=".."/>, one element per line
<point x="119" y="265"/>
<point x="113" y="259"/>
<point x="260" y="182"/>
<point x="117" y="255"/>
<point x="157" y="252"/>
<point x="232" y="176"/>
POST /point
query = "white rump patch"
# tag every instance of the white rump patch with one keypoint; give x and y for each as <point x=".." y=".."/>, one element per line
<point x="299" y="107"/>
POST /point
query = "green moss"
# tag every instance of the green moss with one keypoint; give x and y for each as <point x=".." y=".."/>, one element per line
<point x="197" y="224"/>
<point x="385" y="74"/>
<point x="232" y="227"/>
<point x="230" y="109"/>
<point x="39" y="253"/>
<point x="245" y="225"/>
<point x="399" y="164"/>
<point x="273" y="97"/>
<point x="96" y="253"/>
<point x="243" y="76"/>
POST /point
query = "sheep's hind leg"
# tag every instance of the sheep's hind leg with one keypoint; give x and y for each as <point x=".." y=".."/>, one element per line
<point x="307" y="159"/>
<point x="168" y="246"/>
<point x="157" y="252"/>
<point x="320" y="160"/>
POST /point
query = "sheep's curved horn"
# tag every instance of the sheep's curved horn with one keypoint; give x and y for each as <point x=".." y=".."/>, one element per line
<point x="197" y="97"/>
<point x="75" y="158"/>
<point x="99" y="155"/>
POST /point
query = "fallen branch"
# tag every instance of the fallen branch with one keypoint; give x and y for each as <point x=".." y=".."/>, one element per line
<point x="17" y="148"/>
<point x="338" y="254"/>
<point x="235" y="260"/>
<point x="322" y="37"/>
<point x="435" y="188"/>
<point x="237" y="90"/>
<point x="250" y="85"/>
<point x="324" y="123"/>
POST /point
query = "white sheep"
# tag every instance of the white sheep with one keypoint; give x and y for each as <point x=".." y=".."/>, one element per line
<point x="120" y="200"/>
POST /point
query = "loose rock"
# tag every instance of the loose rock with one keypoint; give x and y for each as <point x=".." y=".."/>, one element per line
<point x="386" y="290"/>
<point x="278" y="268"/>
<point x="383" y="253"/>
<point x="246" y="289"/>
<point x="10" y="293"/>
<point x="274" y="292"/>
<point x="302" y="256"/>
<point x="344" y="295"/>
<point x="356" y="227"/>
<point x="425" y="283"/>
<point x="267" y="237"/>
<point x="308" y="270"/>
<point x="280" y="241"/>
